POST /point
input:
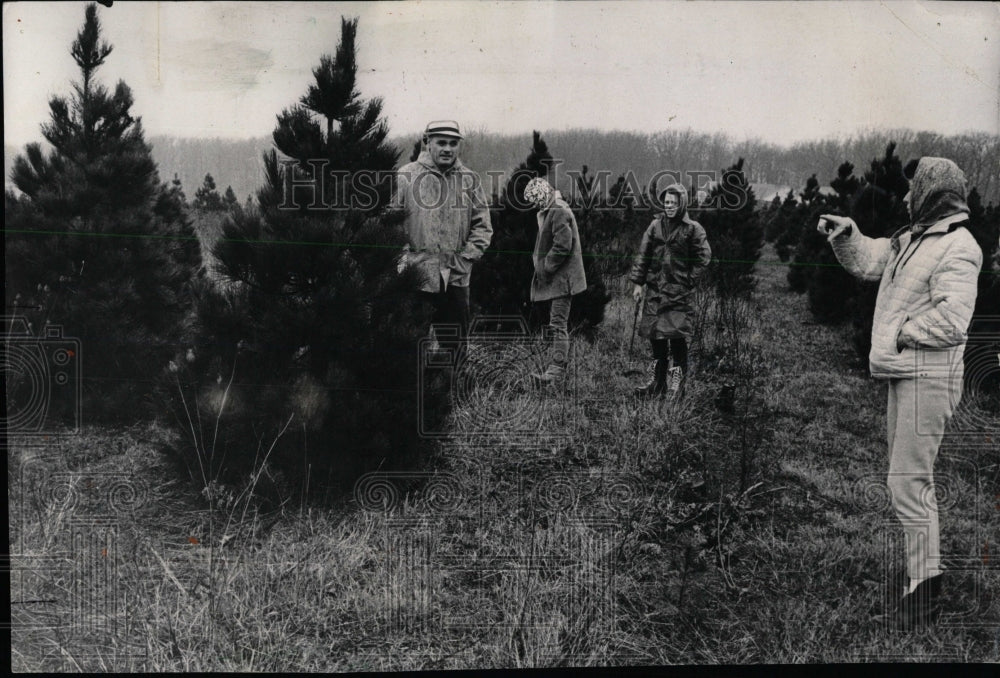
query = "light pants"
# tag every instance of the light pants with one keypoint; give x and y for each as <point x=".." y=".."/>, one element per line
<point x="558" y="324"/>
<point x="918" y="411"/>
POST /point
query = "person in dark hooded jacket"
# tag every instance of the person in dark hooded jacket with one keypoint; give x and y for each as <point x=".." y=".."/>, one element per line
<point x="928" y="273"/>
<point x="673" y="255"/>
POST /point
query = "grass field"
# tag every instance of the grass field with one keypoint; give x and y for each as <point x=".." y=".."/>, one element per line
<point x="574" y="528"/>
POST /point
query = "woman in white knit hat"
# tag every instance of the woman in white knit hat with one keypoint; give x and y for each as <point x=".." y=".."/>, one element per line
<point x="559" y="274"/>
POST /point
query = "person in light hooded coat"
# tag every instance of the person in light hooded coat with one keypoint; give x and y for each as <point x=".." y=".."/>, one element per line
<point x="928" y="274"/>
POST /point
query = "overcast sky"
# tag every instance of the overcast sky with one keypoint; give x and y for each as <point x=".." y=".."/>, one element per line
<point x="782" y="71"/>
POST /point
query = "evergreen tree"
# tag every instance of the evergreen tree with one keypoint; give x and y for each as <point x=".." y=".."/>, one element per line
<point x="875" y="203"/>
<point x="502" y="278"/>
<point x="811" y="191"/>
<point x="229" y="200"/>
<point x="829" y="286"/>
<point x="619" y="194"/>
<point x="846" y="185"/>
<point x="788" y="228"/>
<point x="773" y="225"/>
<point x="981" y="368"/>
<point x="585" y="186"/>
<point x="808" y="245"/>
<point x="96" y="243"/>
<point x="735" y="234"/>
<point x="207" y="198"/>
<point x="879" y="211"/>
<point x="314" y="327"/>
<point x="178" y="191"/>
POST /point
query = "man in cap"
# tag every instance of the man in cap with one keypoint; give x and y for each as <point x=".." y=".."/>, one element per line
<point x="448" y="224"/>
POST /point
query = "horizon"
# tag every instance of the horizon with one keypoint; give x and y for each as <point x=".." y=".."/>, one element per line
<point x="394" y="135"/>
<point x="830" y="70"/>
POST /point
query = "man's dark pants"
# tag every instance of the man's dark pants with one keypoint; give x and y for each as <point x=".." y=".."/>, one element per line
<point x="451" y="315"/>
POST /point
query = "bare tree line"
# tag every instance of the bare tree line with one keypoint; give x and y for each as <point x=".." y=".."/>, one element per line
<point x="237" y="162"/>
<point x="644" y="154"/>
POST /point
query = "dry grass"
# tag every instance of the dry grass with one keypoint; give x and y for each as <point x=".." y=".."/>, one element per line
<point x="572" y="528"/>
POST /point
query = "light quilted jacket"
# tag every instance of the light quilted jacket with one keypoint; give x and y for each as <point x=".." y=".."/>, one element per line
<point x="926" y="295"/>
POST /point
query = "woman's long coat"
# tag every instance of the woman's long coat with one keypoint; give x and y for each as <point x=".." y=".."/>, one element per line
<point x="673" y="254"/>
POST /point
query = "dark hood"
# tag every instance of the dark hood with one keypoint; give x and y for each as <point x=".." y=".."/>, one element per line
<point x="682" y="199"/>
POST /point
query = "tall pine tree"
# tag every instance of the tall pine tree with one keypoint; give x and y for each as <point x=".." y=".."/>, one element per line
<point x="308" y="348"/>
<point x="96" y="243"/>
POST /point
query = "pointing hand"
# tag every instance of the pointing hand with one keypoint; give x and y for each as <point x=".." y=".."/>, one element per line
<point x="833" y="226"/>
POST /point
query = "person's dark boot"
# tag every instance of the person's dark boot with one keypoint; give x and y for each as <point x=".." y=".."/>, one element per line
<point x="551" y="377"/>
<point x="657" y="385"/>
<point x="918" y="609"/>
